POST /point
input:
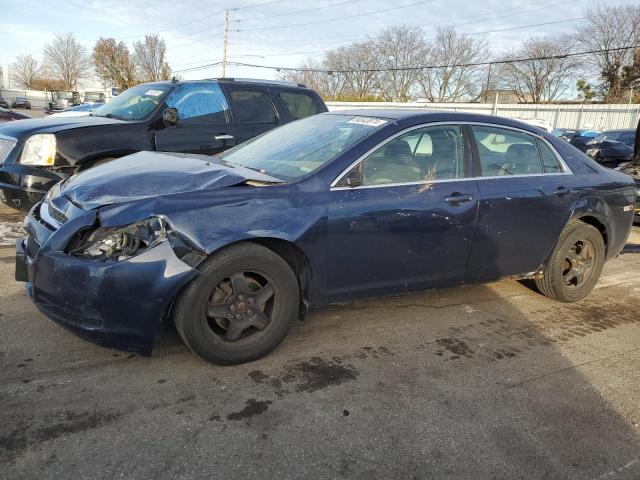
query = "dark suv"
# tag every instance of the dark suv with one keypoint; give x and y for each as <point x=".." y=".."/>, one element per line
<point x="203" y="116"/>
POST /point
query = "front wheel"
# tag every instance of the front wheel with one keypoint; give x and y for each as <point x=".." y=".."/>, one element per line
<point x="240" y="307"/>
<point x="574" y="266"/>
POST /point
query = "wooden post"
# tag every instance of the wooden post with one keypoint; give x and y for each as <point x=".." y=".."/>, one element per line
<point x="224" y="45"/>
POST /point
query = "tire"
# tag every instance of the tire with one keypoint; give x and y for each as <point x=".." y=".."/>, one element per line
<point x="575" y="264"/>
<point x="219" y="290"/>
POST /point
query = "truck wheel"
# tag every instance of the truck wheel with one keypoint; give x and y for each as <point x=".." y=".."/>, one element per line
<point x="240" y="307"/>
<point x="574" y="266"/>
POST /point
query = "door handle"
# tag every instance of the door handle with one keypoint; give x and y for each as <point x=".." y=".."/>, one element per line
<point x="562" y="191"/>
<point x="223" y="137"/>
<point x="456" y="198"/>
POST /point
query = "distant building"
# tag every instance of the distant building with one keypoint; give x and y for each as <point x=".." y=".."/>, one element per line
<point x="504" y="96"/>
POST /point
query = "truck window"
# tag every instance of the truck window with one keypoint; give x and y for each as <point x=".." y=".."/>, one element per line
<point x="252" y="106"/>
<point x="299" y="104"/>
<point x="199" y="103"/>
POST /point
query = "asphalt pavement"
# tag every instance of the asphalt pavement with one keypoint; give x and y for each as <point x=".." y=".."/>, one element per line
<point x="480" y="382"/>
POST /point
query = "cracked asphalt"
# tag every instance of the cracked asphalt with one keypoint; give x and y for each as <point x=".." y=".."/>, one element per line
<point x="480" y="382"/>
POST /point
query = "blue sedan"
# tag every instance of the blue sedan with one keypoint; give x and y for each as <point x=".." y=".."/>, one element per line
<point x="234" y="248"/>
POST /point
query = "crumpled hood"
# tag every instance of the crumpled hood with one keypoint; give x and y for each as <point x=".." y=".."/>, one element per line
<point x="152" y="174"/>
<point x="631" y="168"/>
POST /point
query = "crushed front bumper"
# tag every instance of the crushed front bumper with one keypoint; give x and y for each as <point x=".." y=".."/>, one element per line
<point x="113" y="304"/>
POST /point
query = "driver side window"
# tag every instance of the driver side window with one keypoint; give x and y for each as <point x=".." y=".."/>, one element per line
<point x="200" y="103"/>
<point x="421" y="155"/>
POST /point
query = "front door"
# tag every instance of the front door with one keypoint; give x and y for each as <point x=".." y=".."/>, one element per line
<point x="204" y="125"/>
<point x="411" y="221"/>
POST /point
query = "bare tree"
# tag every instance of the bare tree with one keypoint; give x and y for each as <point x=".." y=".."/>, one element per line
<point x="450" y="83"/>
<point x="544" y="74"/>
<point x="313" y="74"/>
<point x="113" y="63"/>
<point x="397" y="48"/>
<point x="150" y="59"/>
<point x="25" y="71"/>
<point x="67" y="60"/>
<point x="608" y="28"/>
<point x="355" y="64"/>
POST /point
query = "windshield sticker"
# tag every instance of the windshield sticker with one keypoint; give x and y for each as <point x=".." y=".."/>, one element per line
<point x="368" y="121"/>
<point x="153" y="93"/>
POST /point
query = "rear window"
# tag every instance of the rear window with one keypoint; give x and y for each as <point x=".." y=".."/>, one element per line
<point x="299" y="104"/>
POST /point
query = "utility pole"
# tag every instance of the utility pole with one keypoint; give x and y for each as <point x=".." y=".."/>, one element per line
<point x="224" y="46"/>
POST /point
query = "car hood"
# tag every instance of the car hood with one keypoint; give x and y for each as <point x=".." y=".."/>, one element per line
<point x="21" y="128"/>
<point x="152" y="174"/>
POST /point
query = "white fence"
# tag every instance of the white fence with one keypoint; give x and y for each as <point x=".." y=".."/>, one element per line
<point x="596" y="116"/>
<point x="38" y="98"/>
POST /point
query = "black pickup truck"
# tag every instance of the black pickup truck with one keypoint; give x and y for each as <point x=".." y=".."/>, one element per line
<point x="203" y="116"/>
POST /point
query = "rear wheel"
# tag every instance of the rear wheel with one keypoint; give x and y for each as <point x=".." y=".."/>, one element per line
<point x="240" y="307"/>
<point x="575" y="264"/>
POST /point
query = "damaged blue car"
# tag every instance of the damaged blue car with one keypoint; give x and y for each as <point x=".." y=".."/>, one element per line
<point x="234" y="248"/>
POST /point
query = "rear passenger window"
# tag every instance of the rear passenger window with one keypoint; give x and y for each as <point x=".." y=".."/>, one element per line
<point x="506" y="152"/>
<point x="252" y="106"/>
<point x="549" y="159"/>
<point x="300" y="105"/>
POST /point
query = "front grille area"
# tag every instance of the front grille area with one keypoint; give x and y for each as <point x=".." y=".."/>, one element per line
<point x="6" y="145"/>
<point x="32" y="247"/>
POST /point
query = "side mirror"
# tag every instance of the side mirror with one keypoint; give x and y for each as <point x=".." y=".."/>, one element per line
<point x="170" y="117"/>
<point x="353" y="178"/>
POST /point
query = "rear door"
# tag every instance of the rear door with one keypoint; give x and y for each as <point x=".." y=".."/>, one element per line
<point x="526" y="194"/>
<point x="204" y="124"/>
<point x="410" y="223"/>
<point x="253" y="111"/>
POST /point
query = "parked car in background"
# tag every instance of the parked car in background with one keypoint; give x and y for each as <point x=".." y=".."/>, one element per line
<point x="60" y="100"/>
<point x="234" y="248"/>
<point x="21" y="102"/>
<point x="78" y="111"/>
<point x="4" y="103"/>
<point x="207" y="117"/>
<point x="8" y="115"/>
<point x="612" y="147"/>
<point x="564" y="133"/>
<point x="632" y="168"/>
<point x="537" y="122"/>
<point x="94" y="97"/>
<point x="582" y="137"/>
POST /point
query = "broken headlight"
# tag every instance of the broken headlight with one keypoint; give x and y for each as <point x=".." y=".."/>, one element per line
<point x="118" y="243"/>
<point x="121" y="243"/>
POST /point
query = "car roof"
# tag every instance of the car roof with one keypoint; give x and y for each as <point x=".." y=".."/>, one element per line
<point x="620" y="130"/>
<point x="241" y="81"/>
<point x="397" y="114"/>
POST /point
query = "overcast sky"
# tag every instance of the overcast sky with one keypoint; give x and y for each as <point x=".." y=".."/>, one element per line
<point x="270" y="32"/>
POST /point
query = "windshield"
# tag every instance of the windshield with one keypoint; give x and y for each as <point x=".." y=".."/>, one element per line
<point x="301" y="147"/>
<point x="65" y="95"/>
<point x="136" y="103"/>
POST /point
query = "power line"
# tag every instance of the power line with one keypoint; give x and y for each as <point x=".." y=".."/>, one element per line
<point x="519" y="27"/>
<point x="345" y="17"/>
<point x="491" y="15"/>
<point x="206" y="17"/>
<point x="423" y="67"/>
<point x="296" y="12"/>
